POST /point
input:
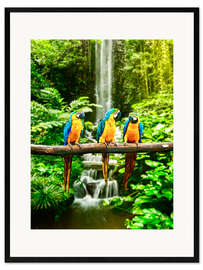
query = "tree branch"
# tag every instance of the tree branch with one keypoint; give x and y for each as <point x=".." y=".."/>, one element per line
<point x="100" y="148"/>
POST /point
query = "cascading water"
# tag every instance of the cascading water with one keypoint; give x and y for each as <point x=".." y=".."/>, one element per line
<point x="91" y="190"/>
<point x="103" y="63"/>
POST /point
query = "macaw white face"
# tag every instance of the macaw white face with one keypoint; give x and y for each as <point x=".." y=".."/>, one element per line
<point x="117" y="115"/>
<point x="133" y="118"/>
<point x="80" y="115"/>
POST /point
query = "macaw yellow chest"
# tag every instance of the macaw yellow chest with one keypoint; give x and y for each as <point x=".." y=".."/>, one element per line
<point x="132" y="132"/>
<point x="75" y="132"/>
<point x="109" y="131"/>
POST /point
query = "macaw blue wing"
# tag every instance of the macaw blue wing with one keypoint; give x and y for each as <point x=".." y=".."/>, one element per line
<point x="100" y="129"/>
<point x="67" y="128"/>
<point x="140" y="131"/>
<point x="125" y="127"/>
<point x="66" y="131"/>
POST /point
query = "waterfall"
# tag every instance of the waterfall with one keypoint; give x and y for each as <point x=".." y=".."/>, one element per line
<point x="103" y="88"/>
<point x="91" y="189"/>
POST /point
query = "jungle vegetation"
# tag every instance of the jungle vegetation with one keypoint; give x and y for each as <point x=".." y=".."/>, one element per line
<point x="63" y="80"/>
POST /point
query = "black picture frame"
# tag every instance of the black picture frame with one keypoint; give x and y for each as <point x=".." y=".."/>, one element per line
<point x="8" y="257"/>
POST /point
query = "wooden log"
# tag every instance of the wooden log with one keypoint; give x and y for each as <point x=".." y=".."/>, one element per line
<point x="100" y="148"/>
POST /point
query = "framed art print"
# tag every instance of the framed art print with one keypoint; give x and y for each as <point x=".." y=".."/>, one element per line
<point x="102" y="134"/>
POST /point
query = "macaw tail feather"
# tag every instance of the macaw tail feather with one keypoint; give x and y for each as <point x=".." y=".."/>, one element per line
<point x="130" y="160"/>
<point x="105" y="161"/>
<point x="67" y="171"/>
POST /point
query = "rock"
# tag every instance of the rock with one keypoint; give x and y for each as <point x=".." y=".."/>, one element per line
<point x="91" y="188"/>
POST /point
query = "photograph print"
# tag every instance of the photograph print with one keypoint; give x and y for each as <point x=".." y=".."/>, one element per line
<point x="102" y="134"/>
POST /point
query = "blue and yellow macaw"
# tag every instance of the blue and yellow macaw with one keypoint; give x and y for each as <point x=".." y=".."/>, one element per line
<point x="132" y="133"/>
<point x="73" y="129"/>
<point x="106" y="134"/>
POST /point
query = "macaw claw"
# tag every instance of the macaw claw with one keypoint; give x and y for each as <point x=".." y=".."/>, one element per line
<point x="115" y="144"/>
<point x="70" y="145"/>
<point x="106" y="144"/>
<point x="78" y="145"/>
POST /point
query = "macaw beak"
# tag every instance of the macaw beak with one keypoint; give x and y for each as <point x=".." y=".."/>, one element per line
<point x="117" y="115"/>
<point x="133" y="118"/>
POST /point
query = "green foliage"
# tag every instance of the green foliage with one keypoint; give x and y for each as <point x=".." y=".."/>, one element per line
<point x="47" y="189"/>
<point x="156" y="114"/>
<point x="149" y="218"/>
<point x="141" y="68"/>
<point x="149" y="198"/>
<point x="45" y="196"/>
<point x="83" y="104"/>
<point x="64" y="65"/>
<point x="46" y="124"/>
<point x="51" y="97"/>
<point x="152" y="204"/>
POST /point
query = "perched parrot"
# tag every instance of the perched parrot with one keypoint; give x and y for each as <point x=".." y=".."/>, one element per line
<point x="132" y="133"/>
<point x="72" y="131"/>
<point x="106" y="134"/>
